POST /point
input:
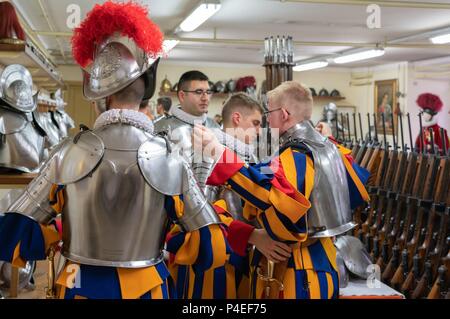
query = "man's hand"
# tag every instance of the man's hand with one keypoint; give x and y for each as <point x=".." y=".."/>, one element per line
<point x="274" y="250"/>
<point x="324" y="129"/>
<point x="204" y="138"/>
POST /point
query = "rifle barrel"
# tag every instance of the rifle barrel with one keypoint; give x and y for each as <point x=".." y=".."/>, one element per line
<point x="443" y="141"/>
<point x="384" y="132"/>
<point x="360" y="127"/>
<point x="354" y="126"/>
<point x="422" y="141"/>
<point x="410" y="133"/>
<point x="400" y="119"/>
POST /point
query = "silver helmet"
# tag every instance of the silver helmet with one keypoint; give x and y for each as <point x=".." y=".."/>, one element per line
<point x="16" y="88"/>
<point x="329" y="112"/>
<point x="115" y="45"/>
<point x="118" y="63"/>
<point x="25" y="274"/>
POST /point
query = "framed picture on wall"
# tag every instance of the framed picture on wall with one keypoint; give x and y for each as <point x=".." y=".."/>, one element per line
<point x="386" y="103"/>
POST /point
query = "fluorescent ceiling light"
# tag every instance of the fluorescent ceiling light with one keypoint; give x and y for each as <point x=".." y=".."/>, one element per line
<point x="168" y="45"/>
<point x="357" y="56"/>
<point x="202" y="13"/>
<point x="441" y="39"/>
<point x="310" y="66"/>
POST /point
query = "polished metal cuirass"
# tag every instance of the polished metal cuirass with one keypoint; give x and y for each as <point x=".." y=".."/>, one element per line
<point x="45" y="122"/>
<point x="180" y="133"/>
<point x="114" y="217"/>
<point x="22" y="146"/>
<point x="65" y="123"/>
<point x="330" y="212"/>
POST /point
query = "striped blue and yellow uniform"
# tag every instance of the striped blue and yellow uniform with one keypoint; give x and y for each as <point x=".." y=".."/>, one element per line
<point x="21" y="239"/>
<point x="276" y="194"/>
<point x="229" y="281"/>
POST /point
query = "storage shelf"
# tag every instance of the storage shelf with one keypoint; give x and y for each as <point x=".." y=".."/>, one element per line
<point x="43" y="73"/>
<point x="215" y="95"/>
<point x="16" y="179"/>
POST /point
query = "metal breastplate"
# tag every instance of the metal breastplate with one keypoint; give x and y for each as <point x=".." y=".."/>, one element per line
<point x="22" y="147"/>
<point x="57" y="119"/>
<point x="66" y="121"/>
<point x="330" y="212"/>
<point x="113" y="217"/>
<point x="180" y="133"/>
<point x="45" y="121"/>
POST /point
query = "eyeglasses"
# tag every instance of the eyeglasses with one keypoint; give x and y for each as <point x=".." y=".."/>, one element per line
<point x="200" y="92"/>
<point x="280" y="108"/>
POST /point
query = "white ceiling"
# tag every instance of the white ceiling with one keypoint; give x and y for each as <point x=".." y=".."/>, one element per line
<point x="256" y="19"/>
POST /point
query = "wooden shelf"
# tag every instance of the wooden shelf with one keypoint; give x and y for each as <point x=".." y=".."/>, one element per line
<point x="328" y="98"/>
<point x="31" y="58"/>
<point x="17" y="179"/>
<point x="215" y="95"/>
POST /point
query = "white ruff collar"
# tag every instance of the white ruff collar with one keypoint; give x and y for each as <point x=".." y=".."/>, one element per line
<point x="241" y="148"/>
<point x="433" y="121"/>
<point x="125" y="116"/>
<point x="186" y="117"/>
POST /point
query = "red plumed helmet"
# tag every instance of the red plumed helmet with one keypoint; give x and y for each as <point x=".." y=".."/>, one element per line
<point x="128" y="19"/>
<point x="245" y="82"/>
<point x="429" y="101"/>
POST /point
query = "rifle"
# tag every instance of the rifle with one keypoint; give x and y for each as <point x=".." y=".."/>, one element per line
<point x="405" y="190"/>
<point x="418" y="206"/>
<point x="439" y="288"/>
<point x="391" y="267"/>
<point x="371" y="144"/>
<point x="401" y="273"/>
<point x="424" y="284"/>
<point x="434" y="243"/>
<point x="356" y="143"/>
<point x="390" y="189"/>
<point x="387" y="171"/>
<point x="376" y="167"/>
<point x="362" y="143"/>
<point x="350" y="141"/>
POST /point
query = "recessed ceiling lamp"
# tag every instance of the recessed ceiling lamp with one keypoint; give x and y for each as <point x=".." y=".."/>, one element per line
<point x="168" y="45"/>
<point x="358" y="56"/>
<point x="304" y="66"/>
<point x="441" y="39"/>
<point x="203" y="12"/>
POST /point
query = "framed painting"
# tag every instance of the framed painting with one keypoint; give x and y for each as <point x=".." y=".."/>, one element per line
<point x="386" y="104"/>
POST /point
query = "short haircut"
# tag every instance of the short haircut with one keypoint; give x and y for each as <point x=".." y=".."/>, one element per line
<point x="166" y="103"/>
<point x="132" y="94"/>
<point x="293" y="95"/>
<point x="239" y="102"/>
<point x="143" y="104"/>
<point x="190" y="76"/>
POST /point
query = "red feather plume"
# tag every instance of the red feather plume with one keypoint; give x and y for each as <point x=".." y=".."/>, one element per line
<point x="429" y="101"/>
<point x="102" y="21"/>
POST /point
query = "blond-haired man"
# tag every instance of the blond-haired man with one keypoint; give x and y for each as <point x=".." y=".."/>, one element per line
<point x="302" y="197"/>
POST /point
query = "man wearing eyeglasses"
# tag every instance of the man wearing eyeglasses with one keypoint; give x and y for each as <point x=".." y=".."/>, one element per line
<point x="194" y="95"/>
<point x="302" y="197"/>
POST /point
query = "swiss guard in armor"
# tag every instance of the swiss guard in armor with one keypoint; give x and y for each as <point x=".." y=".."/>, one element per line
<point x="302" y="197"/>
<point x="194" y="93"/>
<point x="117" y="186"/>
<point x="23" y="141"/>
